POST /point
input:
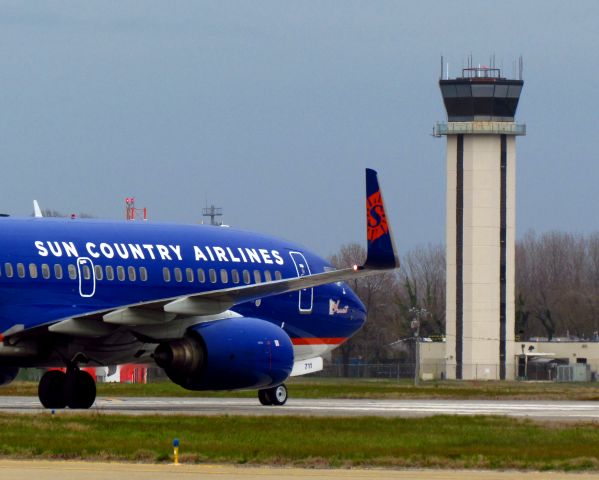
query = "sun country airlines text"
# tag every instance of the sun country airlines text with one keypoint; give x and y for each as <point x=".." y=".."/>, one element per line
<point x="156" y="251"/>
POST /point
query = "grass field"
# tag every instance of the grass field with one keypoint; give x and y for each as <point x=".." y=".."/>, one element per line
<point x="442" y="441"/>
<point x="362" y="388"/>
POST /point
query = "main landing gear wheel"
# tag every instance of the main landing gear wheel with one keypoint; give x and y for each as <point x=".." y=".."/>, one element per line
<point x="80" y="389"/>
<point x="273" y="396"/>
<point x="75" y="389"/>
<point x="51" y="389"/>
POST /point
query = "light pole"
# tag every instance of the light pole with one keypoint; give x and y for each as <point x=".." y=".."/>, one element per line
<point x="417" y="314"/>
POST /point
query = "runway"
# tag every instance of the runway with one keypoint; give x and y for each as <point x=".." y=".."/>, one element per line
<point x="541" y="410"/>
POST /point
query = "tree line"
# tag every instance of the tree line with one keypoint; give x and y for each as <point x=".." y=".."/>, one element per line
<point x="557" y="294"/>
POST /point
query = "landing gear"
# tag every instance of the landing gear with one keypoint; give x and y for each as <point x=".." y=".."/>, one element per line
<point x="51" y="389"/>
<point x="273" y="396"/>
<point x="264" y="398"/>
<point x="80" y="389"/>
<point x="75" y="389"/>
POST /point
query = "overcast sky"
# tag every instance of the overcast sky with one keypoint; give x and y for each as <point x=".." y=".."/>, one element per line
<point x="272" y="110"/>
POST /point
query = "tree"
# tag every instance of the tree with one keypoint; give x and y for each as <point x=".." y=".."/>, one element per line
<point x="376" y="293"/>
<point x="423" y="288"/>
<point x="48" y="212"/>
<point x="388" y="298"/>
<point x="557" y="282"/>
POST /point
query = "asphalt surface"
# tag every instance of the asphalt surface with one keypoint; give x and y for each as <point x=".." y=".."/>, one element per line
<point x="541" y="410"/>
<point x="60" y="470"/>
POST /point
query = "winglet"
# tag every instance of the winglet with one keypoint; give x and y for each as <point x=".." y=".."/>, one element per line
<point x="381" y="248"/>
<point x="37" y="211"/>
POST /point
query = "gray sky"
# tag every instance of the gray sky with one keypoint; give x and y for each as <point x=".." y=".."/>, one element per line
<point x="273" y="109"/>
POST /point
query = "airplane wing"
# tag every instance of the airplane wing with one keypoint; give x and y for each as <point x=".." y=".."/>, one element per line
<point x="381" y="255"/>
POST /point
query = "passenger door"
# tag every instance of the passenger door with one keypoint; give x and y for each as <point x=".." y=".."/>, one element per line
<point x="306" y="295"/>
<point x="87" y="277"/>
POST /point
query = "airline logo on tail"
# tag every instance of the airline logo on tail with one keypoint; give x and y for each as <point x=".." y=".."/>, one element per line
<point x="377" y="220"/>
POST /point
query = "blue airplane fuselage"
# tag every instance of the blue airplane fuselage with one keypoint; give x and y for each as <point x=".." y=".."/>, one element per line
<point x="56" y="269"/>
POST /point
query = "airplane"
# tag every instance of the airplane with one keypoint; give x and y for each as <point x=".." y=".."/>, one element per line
<point x="216" y="308"/>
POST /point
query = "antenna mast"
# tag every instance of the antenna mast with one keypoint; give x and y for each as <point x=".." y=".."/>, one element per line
<point x="131" y="212"/>
<point x="213" y="212"/>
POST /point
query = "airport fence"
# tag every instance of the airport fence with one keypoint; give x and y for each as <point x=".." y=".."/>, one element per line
<point x="428" y="371"/>
<point x="397" y="371"/>
<point x="382" y="370"/>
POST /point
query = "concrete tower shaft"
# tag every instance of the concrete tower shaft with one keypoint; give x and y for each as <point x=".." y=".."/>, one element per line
<point x="481" y="217"/>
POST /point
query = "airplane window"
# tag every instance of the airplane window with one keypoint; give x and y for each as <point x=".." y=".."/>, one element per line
<point x="8" y="269"/>
<point x="246" y="277"/>
<point x="235" y="276"/>
<point x="87" y="274"/>
<point x="278" y="275"/>
<point x="131" y="272"/>
<point x="224" y="276"/>
<point x="257" y="276"/>
<point x="189" y="274"/>
<point x="21" y="270"/>
<point x="45" y="271"/>
<point x="267" y="276"/>
<point x="109" y="272"/>
<point x="201" y="275"/>
<point x="33" y="270"/>
<point x="143" y="274"/>
<point x="178" y="274"/>
<point x="120" y="273"/>
<point x="99" y="273"/>
<point x="212" y="273"/>
<point x="58" y="271"/>
<point x="72" y="272"/>
<point x="166" y="274"/>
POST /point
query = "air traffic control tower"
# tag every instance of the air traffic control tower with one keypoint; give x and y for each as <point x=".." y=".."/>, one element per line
<point x="481" y="205"/>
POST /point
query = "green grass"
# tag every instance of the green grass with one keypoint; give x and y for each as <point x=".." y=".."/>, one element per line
<point x="361" y="388"/>
<point x="442" y="441"/>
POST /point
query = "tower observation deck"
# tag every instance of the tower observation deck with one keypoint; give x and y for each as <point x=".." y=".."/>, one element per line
<point x="481" y="95"/>
<point x="481" y="199"/>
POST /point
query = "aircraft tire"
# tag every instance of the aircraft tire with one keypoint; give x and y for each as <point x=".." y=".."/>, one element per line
<point x="278" y="395"/>
<point x="51" y="389"/>
<point x="80" y="389"/>
<point x="264" y="397"/>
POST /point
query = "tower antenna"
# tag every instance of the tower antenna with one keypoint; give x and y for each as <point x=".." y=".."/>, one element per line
<point x="213" y="212"/>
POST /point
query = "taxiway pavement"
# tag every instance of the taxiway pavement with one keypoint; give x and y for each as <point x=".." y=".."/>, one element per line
<point x="59" y="470"/>
<point x="541" y="410"/>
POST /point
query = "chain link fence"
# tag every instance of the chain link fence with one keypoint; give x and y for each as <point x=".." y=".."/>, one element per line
<point x="428" y="371"/>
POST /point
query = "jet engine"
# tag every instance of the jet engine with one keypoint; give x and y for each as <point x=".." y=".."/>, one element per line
<point x="8" y="374"/>
<point x="235" y="353"/>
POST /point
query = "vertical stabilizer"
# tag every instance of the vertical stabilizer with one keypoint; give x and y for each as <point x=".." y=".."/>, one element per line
<point x="381" y="248"/>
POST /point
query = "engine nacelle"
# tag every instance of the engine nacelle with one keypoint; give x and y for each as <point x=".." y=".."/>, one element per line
<point x="8" y="374"/>
<point x="231" y="354"/>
